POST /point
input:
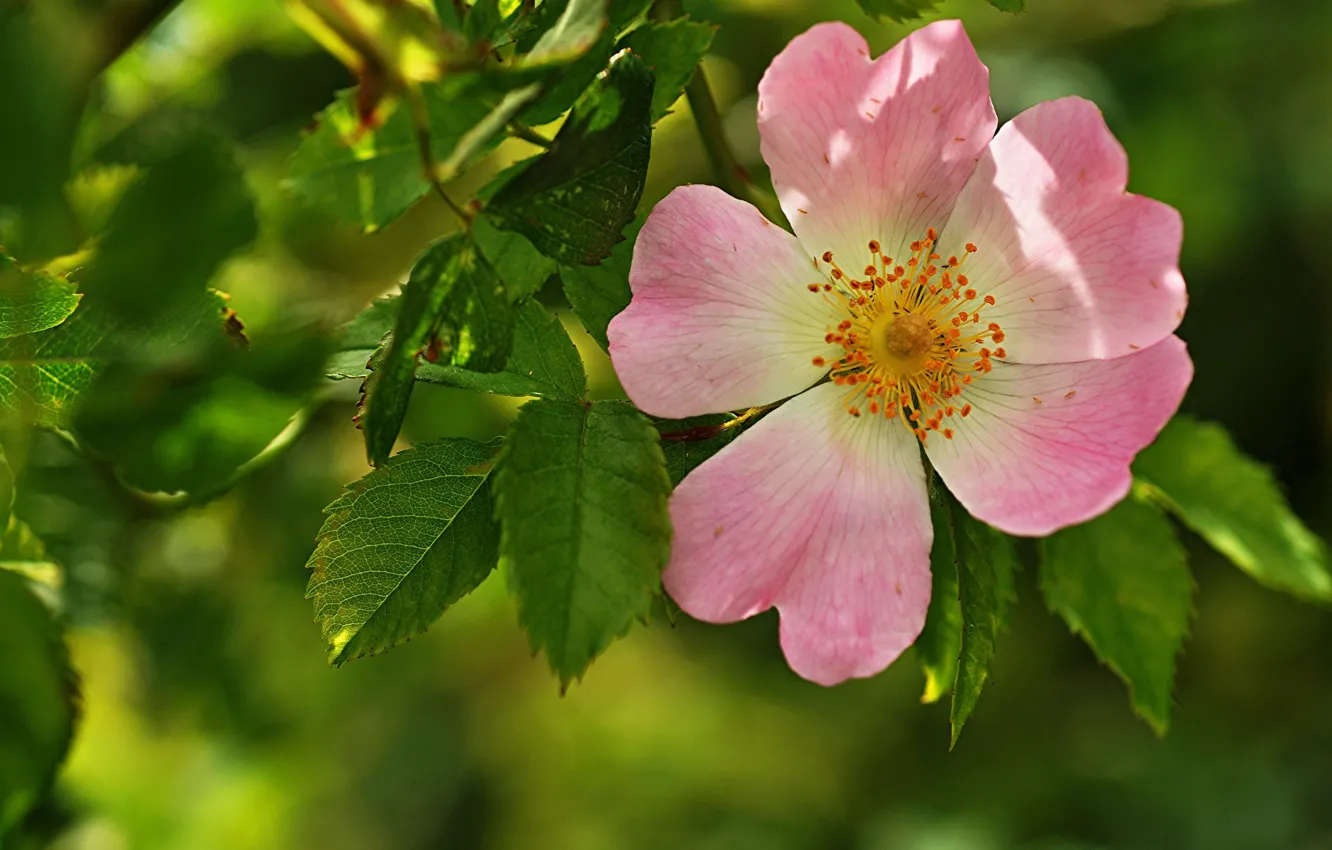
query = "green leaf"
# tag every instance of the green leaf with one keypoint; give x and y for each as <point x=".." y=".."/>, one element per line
<point x="41" y="109"/>
<point x="1122" y="583"/>
<point x="574" y="200"/>
<point x="581" y="494"/>
<point x="575" y="79"/>
<point x="358" y="339"/>
<point x="153" y="258"/>
<point x="452" y="289"/>
<point x="43" y="374"/>
<point x="579" y="25"/>
<point x="1198" y="474"/>
<point x="598" y="293"/>
<point x="32" y="302"/>
<point x="940" y="642"/>
<point x="672" y="50"/>
<point x="1009" y="5"/>
<point x="483" y="20"/>
<point x="544" y="362"/>
<point x="897" y="10"/>
<point x="516" y="260"/>
<point x="401" y="545"/>
<point x="986" y="561"/>
<point x="37" y="700"/>
<point x="686" y="443"/>
<point x="188" y="423"/>
<point x="372" y="177"/>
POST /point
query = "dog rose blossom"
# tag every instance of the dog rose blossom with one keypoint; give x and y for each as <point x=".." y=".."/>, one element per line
<point x="997" y="300"/>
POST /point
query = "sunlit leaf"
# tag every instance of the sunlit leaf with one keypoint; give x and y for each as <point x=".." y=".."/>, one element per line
<point x="1122" y="583"/>
<point x="986" y="561"/>
<point x="940" y="642"/>
<point x="401" y="545"/>
<point x="672" y="50"/>
<point x="573" y="201"/>
<point x="22" y="552"/>
<point x="599" y="293"/>
<point x="1198" y="473"/>
<point x="372" y="176"/>
<point x="37" y="699"/>
<point x="581" y="492"/>
<point x="32" y="302"/>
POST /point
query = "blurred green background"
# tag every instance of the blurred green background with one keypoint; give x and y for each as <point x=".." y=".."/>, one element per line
<point x="212" y="721"/>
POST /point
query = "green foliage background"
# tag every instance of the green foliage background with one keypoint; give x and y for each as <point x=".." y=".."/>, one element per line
<point x="210" y="718"/>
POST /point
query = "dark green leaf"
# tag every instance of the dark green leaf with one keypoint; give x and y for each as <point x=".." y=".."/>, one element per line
<point x="452" y="297"/>
<point x="188" y="423"/>
<point x="940" y="642"/>
<point x="170" y="232"/>
<point x="544" y="362"/>
<point x="483" y="20"/>
<point x="401" y="545"/>
<point x="32" y="302"/>
<point x="37" y="699"/>
<point x="598" y="293"/>
<point x="574" y="200"/>
<point x="517" y="262"/>
<point x="39" y="97"/>
<point x="43" y="374"/>
<point x="688" y="442"/>
<point x="986" y="561"/>
<point x="581" y="495"/>
<point x="373" y="177"/>
<point x="1197" y="473"/>
<point x="1009" y="5"/>
<point x="896" y="10"/>
<point x="359" y="338"/>
<point x="672" y="50"/>
<point x="579" y="25"/>
<point x="1122" y="583"/>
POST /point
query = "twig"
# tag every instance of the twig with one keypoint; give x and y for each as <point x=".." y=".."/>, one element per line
<point x="731" y="175"/>
<point x="527" y="134"/>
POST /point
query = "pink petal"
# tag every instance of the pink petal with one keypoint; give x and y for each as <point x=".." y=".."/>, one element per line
<point x="823" y="515"/>
<point x="862" y="149"/>
<point x="721" y="316"/>
<point x="1049" y="446"/>
<point x="1079" y="268"/>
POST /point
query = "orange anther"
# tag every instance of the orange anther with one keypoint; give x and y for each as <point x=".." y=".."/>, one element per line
<point x="985" y="353"/>
<point x="962" y="280"/>
<point x="916" y="246"/>
<point x="827" y="256"/>
<point x="989" y="299"/>
<point x="970" y="293"/>
<point x="966" y="410"/>
<point x="932" y="234"/>
<point x="870" y="270"/>
<point x="854" y="411"/>
<point x="813" y="287"/>
<point x="999" y="352"/>
<point x="948" y="433"/>
<point x="971" y="249"/>
<point x="837" y="274"/>
<point x="999" y="336"/>
<point x="818" y="361"/>
<point x="874" y="407"/>
<point x="874" y="246"/>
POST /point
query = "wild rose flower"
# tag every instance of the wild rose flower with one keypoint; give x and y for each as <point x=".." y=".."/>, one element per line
<point x="998" y="300"/>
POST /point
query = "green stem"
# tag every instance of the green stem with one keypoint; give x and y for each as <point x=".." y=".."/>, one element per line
<point x="731" y="175"/>
<point x="527" y="134"/>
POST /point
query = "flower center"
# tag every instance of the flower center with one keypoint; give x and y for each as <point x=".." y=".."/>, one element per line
<point x="912" y="336"/>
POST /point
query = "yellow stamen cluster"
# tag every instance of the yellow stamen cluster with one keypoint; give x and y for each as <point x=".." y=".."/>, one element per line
<point x="913" y="337"/>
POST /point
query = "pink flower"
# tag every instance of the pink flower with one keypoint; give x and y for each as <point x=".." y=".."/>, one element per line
<point x="999" y="300"/>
